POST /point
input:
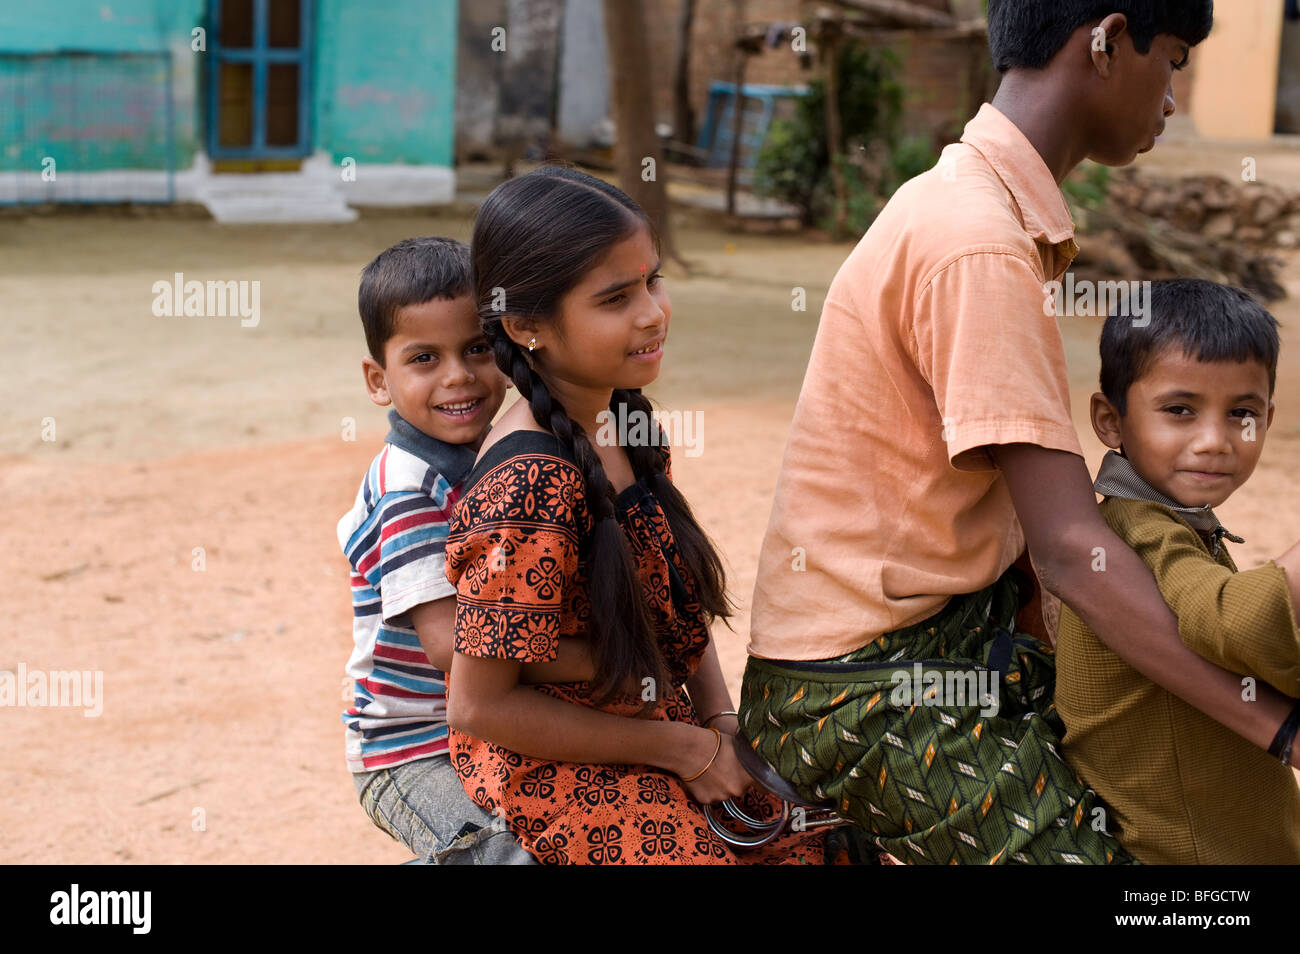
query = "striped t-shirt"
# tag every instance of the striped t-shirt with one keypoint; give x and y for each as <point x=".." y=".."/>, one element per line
<point x="394" y="537"/>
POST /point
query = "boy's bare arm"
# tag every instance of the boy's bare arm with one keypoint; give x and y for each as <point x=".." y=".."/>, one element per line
<point x="435" y="624"/>
<point x="1057" y="507"/>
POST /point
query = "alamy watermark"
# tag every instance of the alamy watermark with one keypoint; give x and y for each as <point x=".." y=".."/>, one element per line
<point x="635" y="428"/>
<point x="950" y="688"/>
<point x="130" y="908"/>
<point x="1089" y="299"/>
<point x="214" y="299"/>
<point x="54" y="688"/>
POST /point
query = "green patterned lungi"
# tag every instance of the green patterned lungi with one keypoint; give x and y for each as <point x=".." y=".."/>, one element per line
<point x="936" y="776"/>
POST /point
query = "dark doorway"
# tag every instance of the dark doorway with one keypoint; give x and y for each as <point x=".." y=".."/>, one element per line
<point x="1288" y="72"/>
<point x="259" y="83"/>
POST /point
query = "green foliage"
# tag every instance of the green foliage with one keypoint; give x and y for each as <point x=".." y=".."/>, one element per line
<point x="795" y="166"/>
<point x="863" y="201"/>
<point x="792" y="162"/>
<point x="1086" y="188"/>
<point x="908" y="159"/>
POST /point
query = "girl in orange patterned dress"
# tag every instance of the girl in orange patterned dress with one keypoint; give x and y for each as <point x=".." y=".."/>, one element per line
<point x="558" y="535"/>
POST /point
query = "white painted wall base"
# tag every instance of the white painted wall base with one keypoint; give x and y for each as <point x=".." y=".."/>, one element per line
<point x="391" y="185"/>
<point x="318" y="192"/>
<point x="113" y="185"/>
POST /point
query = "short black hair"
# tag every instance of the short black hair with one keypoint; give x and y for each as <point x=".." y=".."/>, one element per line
<point x="1027" y="34"/>
<point x="1211" y="322"/>
<point x="413" y="271"/>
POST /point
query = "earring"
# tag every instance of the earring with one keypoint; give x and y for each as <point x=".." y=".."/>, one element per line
<point x="532" y="343"/>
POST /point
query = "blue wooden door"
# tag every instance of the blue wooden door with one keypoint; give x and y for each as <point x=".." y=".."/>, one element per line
<point x="259" y="79"/>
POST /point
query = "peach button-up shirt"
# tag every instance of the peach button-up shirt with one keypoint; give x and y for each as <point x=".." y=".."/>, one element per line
<point x="936" y="341"/>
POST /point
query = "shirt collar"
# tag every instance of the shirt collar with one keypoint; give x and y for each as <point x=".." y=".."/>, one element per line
<point x="452" y="461"/>
<point x="1022" y="170"/>
<point x="1117" y="477"/>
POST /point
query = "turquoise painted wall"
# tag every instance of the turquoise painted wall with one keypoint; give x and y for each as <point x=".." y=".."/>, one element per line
<point x="42" y="25"/>
<point x="386" y="80"/>
<point x="96" y="112"/>
<point x="383" y="85"/>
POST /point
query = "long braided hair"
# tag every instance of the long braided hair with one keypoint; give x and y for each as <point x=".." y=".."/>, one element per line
<point x="535" y="237"/>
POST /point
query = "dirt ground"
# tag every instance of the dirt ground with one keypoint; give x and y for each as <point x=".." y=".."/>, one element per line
<point x="220" y="738"/>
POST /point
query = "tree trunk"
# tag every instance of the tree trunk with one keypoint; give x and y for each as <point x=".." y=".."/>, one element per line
<point x="683" y="114"/>
<point x="634" y="115"/>
<point x="830" y="49"/>
<point x="737" y="127"/>
<point x="525" y="114"/>
<point x="739" y="63"/>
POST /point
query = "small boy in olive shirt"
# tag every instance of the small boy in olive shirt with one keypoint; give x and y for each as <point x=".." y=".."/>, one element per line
<point x="1186" y="401"/>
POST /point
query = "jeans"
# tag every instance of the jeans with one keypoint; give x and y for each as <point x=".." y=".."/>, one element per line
<point x="422" y="805"/>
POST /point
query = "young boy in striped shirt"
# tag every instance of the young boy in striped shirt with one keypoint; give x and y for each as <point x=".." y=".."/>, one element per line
<point x="429" y="360"/>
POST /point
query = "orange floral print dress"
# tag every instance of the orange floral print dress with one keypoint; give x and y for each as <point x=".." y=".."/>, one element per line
<point x="516" y="553"/>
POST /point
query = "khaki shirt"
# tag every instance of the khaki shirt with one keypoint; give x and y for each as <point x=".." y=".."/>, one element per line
<point x="933" y="344"/>
<point x="1181" y="788"/>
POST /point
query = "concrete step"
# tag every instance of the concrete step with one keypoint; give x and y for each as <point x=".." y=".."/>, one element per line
<point x="273" y="197"/>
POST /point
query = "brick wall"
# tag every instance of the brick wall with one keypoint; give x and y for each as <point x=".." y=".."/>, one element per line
<point x="712" y="55"/>
<point x="936" y="73"/>
<point x="944" y="80"/>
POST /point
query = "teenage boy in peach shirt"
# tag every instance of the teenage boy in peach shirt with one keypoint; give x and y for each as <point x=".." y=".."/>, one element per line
<point x="931" y="442"/>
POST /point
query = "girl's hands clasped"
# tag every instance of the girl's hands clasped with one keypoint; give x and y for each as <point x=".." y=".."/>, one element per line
<point x="724" y="777"/>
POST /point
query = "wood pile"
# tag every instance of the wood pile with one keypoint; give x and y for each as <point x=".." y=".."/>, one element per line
<point x="1153" y="227"/>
